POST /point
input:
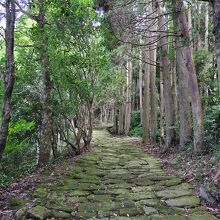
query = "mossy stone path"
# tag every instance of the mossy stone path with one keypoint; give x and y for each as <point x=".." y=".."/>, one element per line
<point x="118" y="181"/>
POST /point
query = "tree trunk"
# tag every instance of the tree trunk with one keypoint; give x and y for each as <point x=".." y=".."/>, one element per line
<point x="47" y="125"/>
<point x="161" y="110"/>
<point x="183" y="93"/>
<point x="174" y="81"/>
<point x="121" y="119"/>
<point x="207" y="26"/>
<point x="184" y="99"/>
<point x="190" y="19"/>
<point x="197" y="113"/>
<point x="206" y="44"/>
<point x="115" y="126"/>
<point x="153" y="93"/>
<point x="146" y="100"/>
<point x="168" y="100"/>
<point x="141" y="86"/>
<point x="128" y="93"/>
<point x="121" y="112"/>
<point x="197" y="26"/>
<point x="9" y="74"/>
<point x="216" y="31"/>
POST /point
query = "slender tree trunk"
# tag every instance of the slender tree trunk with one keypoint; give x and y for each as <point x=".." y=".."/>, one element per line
<point x="55" y="143"/>
<point x="168" y="99"/>
<point x="128" y="93"/>
<point x="9" y="74"/>
<point x="197" y="26"/>
<point x="174" y="81"/>
<point x="47" y="125"/>
<point x="190" y="19"/>
<point x="216" y="31"/>
<point x="141" y="86"/>
<point x="197" y="113"/>
<point x="115" y="126"/>
<point x="205" y="89"/>
<point x="146" y="100"/>
<point x="121" y="110"/>
<point x="121" y="119"/>
<point x="161" y="110"/>
<point x="207" y="26"/>
<point x="153" y="93"/>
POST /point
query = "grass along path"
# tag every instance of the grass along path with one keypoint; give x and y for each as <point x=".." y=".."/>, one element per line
<point x="118" y="181"/>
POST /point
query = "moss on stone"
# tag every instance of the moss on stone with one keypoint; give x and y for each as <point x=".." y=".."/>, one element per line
<point x="149" y="210"/>
<point x="130" y="211"/>
<point x="39" y="213"/>
<point x="149" y="202"/>
<point x="186" y="201"/>
<point x="61" y="214"/>
<point x="202" y="216"/>
<point x="168" y="217"/>
<point x="173" y="193"/>
<point x="21" y="214"/>
<point x="142" y="195"/>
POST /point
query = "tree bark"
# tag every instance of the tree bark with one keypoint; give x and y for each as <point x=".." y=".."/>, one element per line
<point x="141" y="86"/>
<point x="216" y="32"/>
<point x="47" y="124"/>
<point x="198" y="127"/>
<point x="174" y="80"/>
<point x="153" y="94"/>
<point x="183" y="93"/>
<point x="146" y="100"/>
<point x="115" y="126"/>
<point x="165" y="65"/>
<point x="206" y="45"/>
<point x="184" y="99"/>
<point x="161" y="109"/>
<point x="190" y="19"/>
<point x="9" y="74"/>
<point x="153" y="90"/>
<point x="207" y="26"/>
<point x="197" y="26"/>
<point x="121" y="108"/>
<point x="128" y="92"/>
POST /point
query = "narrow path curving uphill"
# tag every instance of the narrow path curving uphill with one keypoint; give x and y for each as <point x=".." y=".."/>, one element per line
<point x="118" y="181"/>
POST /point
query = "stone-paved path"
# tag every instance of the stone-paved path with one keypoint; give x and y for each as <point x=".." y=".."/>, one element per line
<point x="118" y="181"/>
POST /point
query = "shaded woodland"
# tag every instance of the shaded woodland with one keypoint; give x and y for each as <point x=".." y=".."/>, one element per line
<point x="149" y="68"/>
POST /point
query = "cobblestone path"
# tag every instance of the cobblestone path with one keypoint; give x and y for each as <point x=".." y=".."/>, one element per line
<point x="118" y="181"/>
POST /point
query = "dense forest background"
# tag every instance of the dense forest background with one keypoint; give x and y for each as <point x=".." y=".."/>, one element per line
<point x="151" y="68"/>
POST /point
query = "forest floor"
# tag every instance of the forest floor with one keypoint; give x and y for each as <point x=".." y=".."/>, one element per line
<point x="117" y="180"/>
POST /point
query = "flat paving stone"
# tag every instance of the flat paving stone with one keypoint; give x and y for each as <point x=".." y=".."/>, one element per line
<point x="118" y="181"/>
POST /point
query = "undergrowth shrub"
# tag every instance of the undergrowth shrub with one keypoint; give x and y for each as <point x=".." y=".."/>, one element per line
<point x="20" y="153"/>
<point x="18" y="163"/>
<point x="212" y="130"/>
<point x="136" y="129"/>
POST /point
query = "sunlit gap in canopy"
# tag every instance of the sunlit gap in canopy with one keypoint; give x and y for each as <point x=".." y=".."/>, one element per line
<point x="100" y="13"/>
<point x="23" y="4"/>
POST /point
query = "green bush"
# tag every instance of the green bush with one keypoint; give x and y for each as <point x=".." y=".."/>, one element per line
<point x="18" y="163"/>
<point x="136" y="132"/>
<point x="212" y="130"/>
<point x="135" y="119"/>
<point x="136" y="128"/>
<point x="19" y="135"/>
<point x="20" y="153"/>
